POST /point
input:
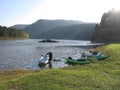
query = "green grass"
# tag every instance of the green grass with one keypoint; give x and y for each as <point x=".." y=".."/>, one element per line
<point x="98" y="75"/>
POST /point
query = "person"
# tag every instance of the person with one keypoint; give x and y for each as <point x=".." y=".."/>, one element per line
<point x="83" y="55"/>
<point x="99" y="54"/>
<point x="41" y="57"/>
<point x="69" y="57"/>
<point x="95" y="53"/>
<point x="49" y="56"/>
<point x="90" y="54"/>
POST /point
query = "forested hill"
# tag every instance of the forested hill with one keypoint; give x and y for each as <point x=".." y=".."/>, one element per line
<point x="19" y="26"/>
<point x="60" y="29"/>
<point x="11" y="33"/>
<point x="41" y="26"/>
<point x="109" y="28"/>
<point x="76" y="32"/>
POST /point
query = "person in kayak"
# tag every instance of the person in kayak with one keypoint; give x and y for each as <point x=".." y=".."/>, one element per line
<point x="83" y="55"/>
<point x="95" y="53"/>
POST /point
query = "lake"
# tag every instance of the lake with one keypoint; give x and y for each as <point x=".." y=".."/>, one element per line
<point x="25" y="54"/>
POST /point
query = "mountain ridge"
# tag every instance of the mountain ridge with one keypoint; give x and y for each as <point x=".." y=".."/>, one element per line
<point x="48" y="29"/>
<point x="59" y="29"/>
<point x="19" y="26"/>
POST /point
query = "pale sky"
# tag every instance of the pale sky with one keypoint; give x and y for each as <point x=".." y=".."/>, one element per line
<point x="28" y="11"/>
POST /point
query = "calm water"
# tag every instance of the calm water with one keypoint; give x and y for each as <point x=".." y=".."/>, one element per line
<point x="25" y="54"/>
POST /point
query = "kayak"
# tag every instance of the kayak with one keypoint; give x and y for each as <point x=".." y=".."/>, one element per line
<point x="102" y="57"/>
<point x="98" y="55"/>
<point x="43" y="61"/>
<point x="79" y="61"/>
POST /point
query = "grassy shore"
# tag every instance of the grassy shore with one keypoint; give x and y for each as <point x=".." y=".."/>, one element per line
<point x="98" y="75"/>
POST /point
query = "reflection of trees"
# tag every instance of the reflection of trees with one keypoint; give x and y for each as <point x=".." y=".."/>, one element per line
<point x="42" y="66"/>
<point x="50" y="65"/>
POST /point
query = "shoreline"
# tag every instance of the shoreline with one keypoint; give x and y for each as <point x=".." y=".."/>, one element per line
<point x="103" y="73"/>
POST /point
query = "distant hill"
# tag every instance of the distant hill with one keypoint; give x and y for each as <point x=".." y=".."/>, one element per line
<point x="19" y="26"/>
<point x="109" y="28"/>
<point x="76" y="31"/>
<point x="60" y="29"/>
<point x="42" y="25"/>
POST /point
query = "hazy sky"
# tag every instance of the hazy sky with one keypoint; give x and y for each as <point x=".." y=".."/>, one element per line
<point x="28" y="11"/>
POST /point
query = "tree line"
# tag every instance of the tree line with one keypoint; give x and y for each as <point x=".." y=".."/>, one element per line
<point x="110" y="19"/>
<point x="109" y="28"/>
<point x="6" y="32"/>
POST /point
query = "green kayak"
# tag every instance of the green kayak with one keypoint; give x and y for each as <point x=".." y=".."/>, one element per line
<point x="79" y="61"/>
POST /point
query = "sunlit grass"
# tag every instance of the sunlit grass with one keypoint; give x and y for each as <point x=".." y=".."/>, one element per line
<point x="10" y="75"/>
<point x="98" y="75"/>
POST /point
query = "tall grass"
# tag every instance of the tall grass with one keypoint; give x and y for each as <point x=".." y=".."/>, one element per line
<point x="98" y="75"/>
